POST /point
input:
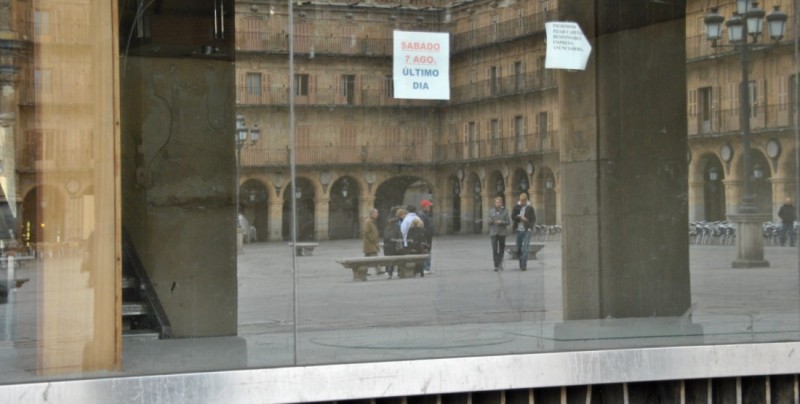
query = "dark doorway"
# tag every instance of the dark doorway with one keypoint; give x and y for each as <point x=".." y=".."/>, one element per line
<point x="343" y="220"/>
<point x="455" y="207"/>
<point x="713" y="191"/>
<point x="397" y="192"/>
<point x="255" y="207"/>
<point x="304" y="197"/>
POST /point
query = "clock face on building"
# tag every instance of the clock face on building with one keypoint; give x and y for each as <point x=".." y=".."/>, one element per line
<point x="726" y="152"/>
<point x="773" y="148"/>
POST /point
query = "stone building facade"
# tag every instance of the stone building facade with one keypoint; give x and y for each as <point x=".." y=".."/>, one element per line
<point x="497" y="135"/>
<point x="499" y="132"/>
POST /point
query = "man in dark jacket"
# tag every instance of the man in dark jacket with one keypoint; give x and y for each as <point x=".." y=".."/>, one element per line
<point x="788" y="216"/>
<point x="425" y="214"/>
<point x="523" y="218"/>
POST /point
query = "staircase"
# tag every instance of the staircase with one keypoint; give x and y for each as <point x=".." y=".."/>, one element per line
<point x="143" y="317"/>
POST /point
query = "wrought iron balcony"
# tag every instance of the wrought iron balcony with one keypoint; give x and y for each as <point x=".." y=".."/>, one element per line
<point x="726" y="121"/>
<point x="321" y="44"/>
<point x="250" y="95"/>
<point x="403" y="154"/>
<point x="503" y="86"/>
<point x="518" y="27"/>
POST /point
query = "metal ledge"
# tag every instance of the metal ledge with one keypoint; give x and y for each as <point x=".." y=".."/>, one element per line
<point x="433" y="376"/>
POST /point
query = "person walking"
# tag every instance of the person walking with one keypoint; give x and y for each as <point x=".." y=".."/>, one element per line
<point x="371" y="236"/>
<point x="426" y="215"/>
<point x="523" y="218"/>
<point x="498" y="228"/>
<point x="788" y="215"/>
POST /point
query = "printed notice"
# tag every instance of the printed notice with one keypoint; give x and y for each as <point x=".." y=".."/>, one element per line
<point x="567" y="47"/>
<point x="421" y="65"/>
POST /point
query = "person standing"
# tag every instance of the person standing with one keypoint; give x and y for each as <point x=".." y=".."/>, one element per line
<point x="371" y="236"/>
<point x="411" y="214"/>
<point x="498" y="228"/>
<point x="392" y="237"/>
<point x="416" y="243"/>
<point x="787" y="214"/>
<point x="523" y="218"/>
<point x="426" y="215"/>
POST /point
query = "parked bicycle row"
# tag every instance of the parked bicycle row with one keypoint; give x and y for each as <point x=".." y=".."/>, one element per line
<point x="724" y="233"/>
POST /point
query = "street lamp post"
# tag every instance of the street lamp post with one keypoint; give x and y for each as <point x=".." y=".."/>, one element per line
<point x="245" y="137"/>
<point x="746" y="23"/>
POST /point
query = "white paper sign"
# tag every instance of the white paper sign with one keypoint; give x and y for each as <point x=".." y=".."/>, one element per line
<point x="421" y="65"/>
<point x="567" y="47"/>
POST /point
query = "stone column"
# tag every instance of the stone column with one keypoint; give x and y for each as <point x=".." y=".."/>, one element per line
<point x="276" y="219"/>
<point x="733" y="194"/>
<point x="623" y="163"/>
<point x="697" y="205"/>
<point x="488" y="201"/>
<point x="466" y="211"/>
<point x="782" y="188"/>
<point x="321" y="209"/>
<point x="749" y="243"/>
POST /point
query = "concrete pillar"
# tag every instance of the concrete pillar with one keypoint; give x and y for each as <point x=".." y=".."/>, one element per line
<point x="321" y="210"/>
<point x="276" y="219"/>
<point x="179" y="201"/>
<point x="623" y="163"/>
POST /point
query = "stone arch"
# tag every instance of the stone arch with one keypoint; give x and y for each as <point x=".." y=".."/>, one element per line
<point x="400" y="190"/>
<point x="254" y="197"/>
<point x="520" y="182"/>
<point x="711" y="171"/>
<point x="43" y="215"/>
<point x="496" y="185"/>
<point x="305" y="195"/>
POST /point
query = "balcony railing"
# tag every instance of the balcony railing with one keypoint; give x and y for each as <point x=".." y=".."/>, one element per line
<point x="57" y="161"/>
<point x="54" y="91"/>
<point x="497" y="148"/>
<point x="323" y="97"/>
<point x="62" y="32"/>
<point x="727" y="120"/>
<point x="318" y="44"/>
<point x="404" y="154"/>
<point x="518" y="27"/>
<point x="503" y="86"/>
<point x="338" y="155"/>
<point x="257" y="41"/>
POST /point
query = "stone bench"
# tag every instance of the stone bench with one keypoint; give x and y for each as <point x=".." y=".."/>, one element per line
<point x="532" y="250"/>
<point x="304" y="249"/>
<point x="406" y="264"/>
